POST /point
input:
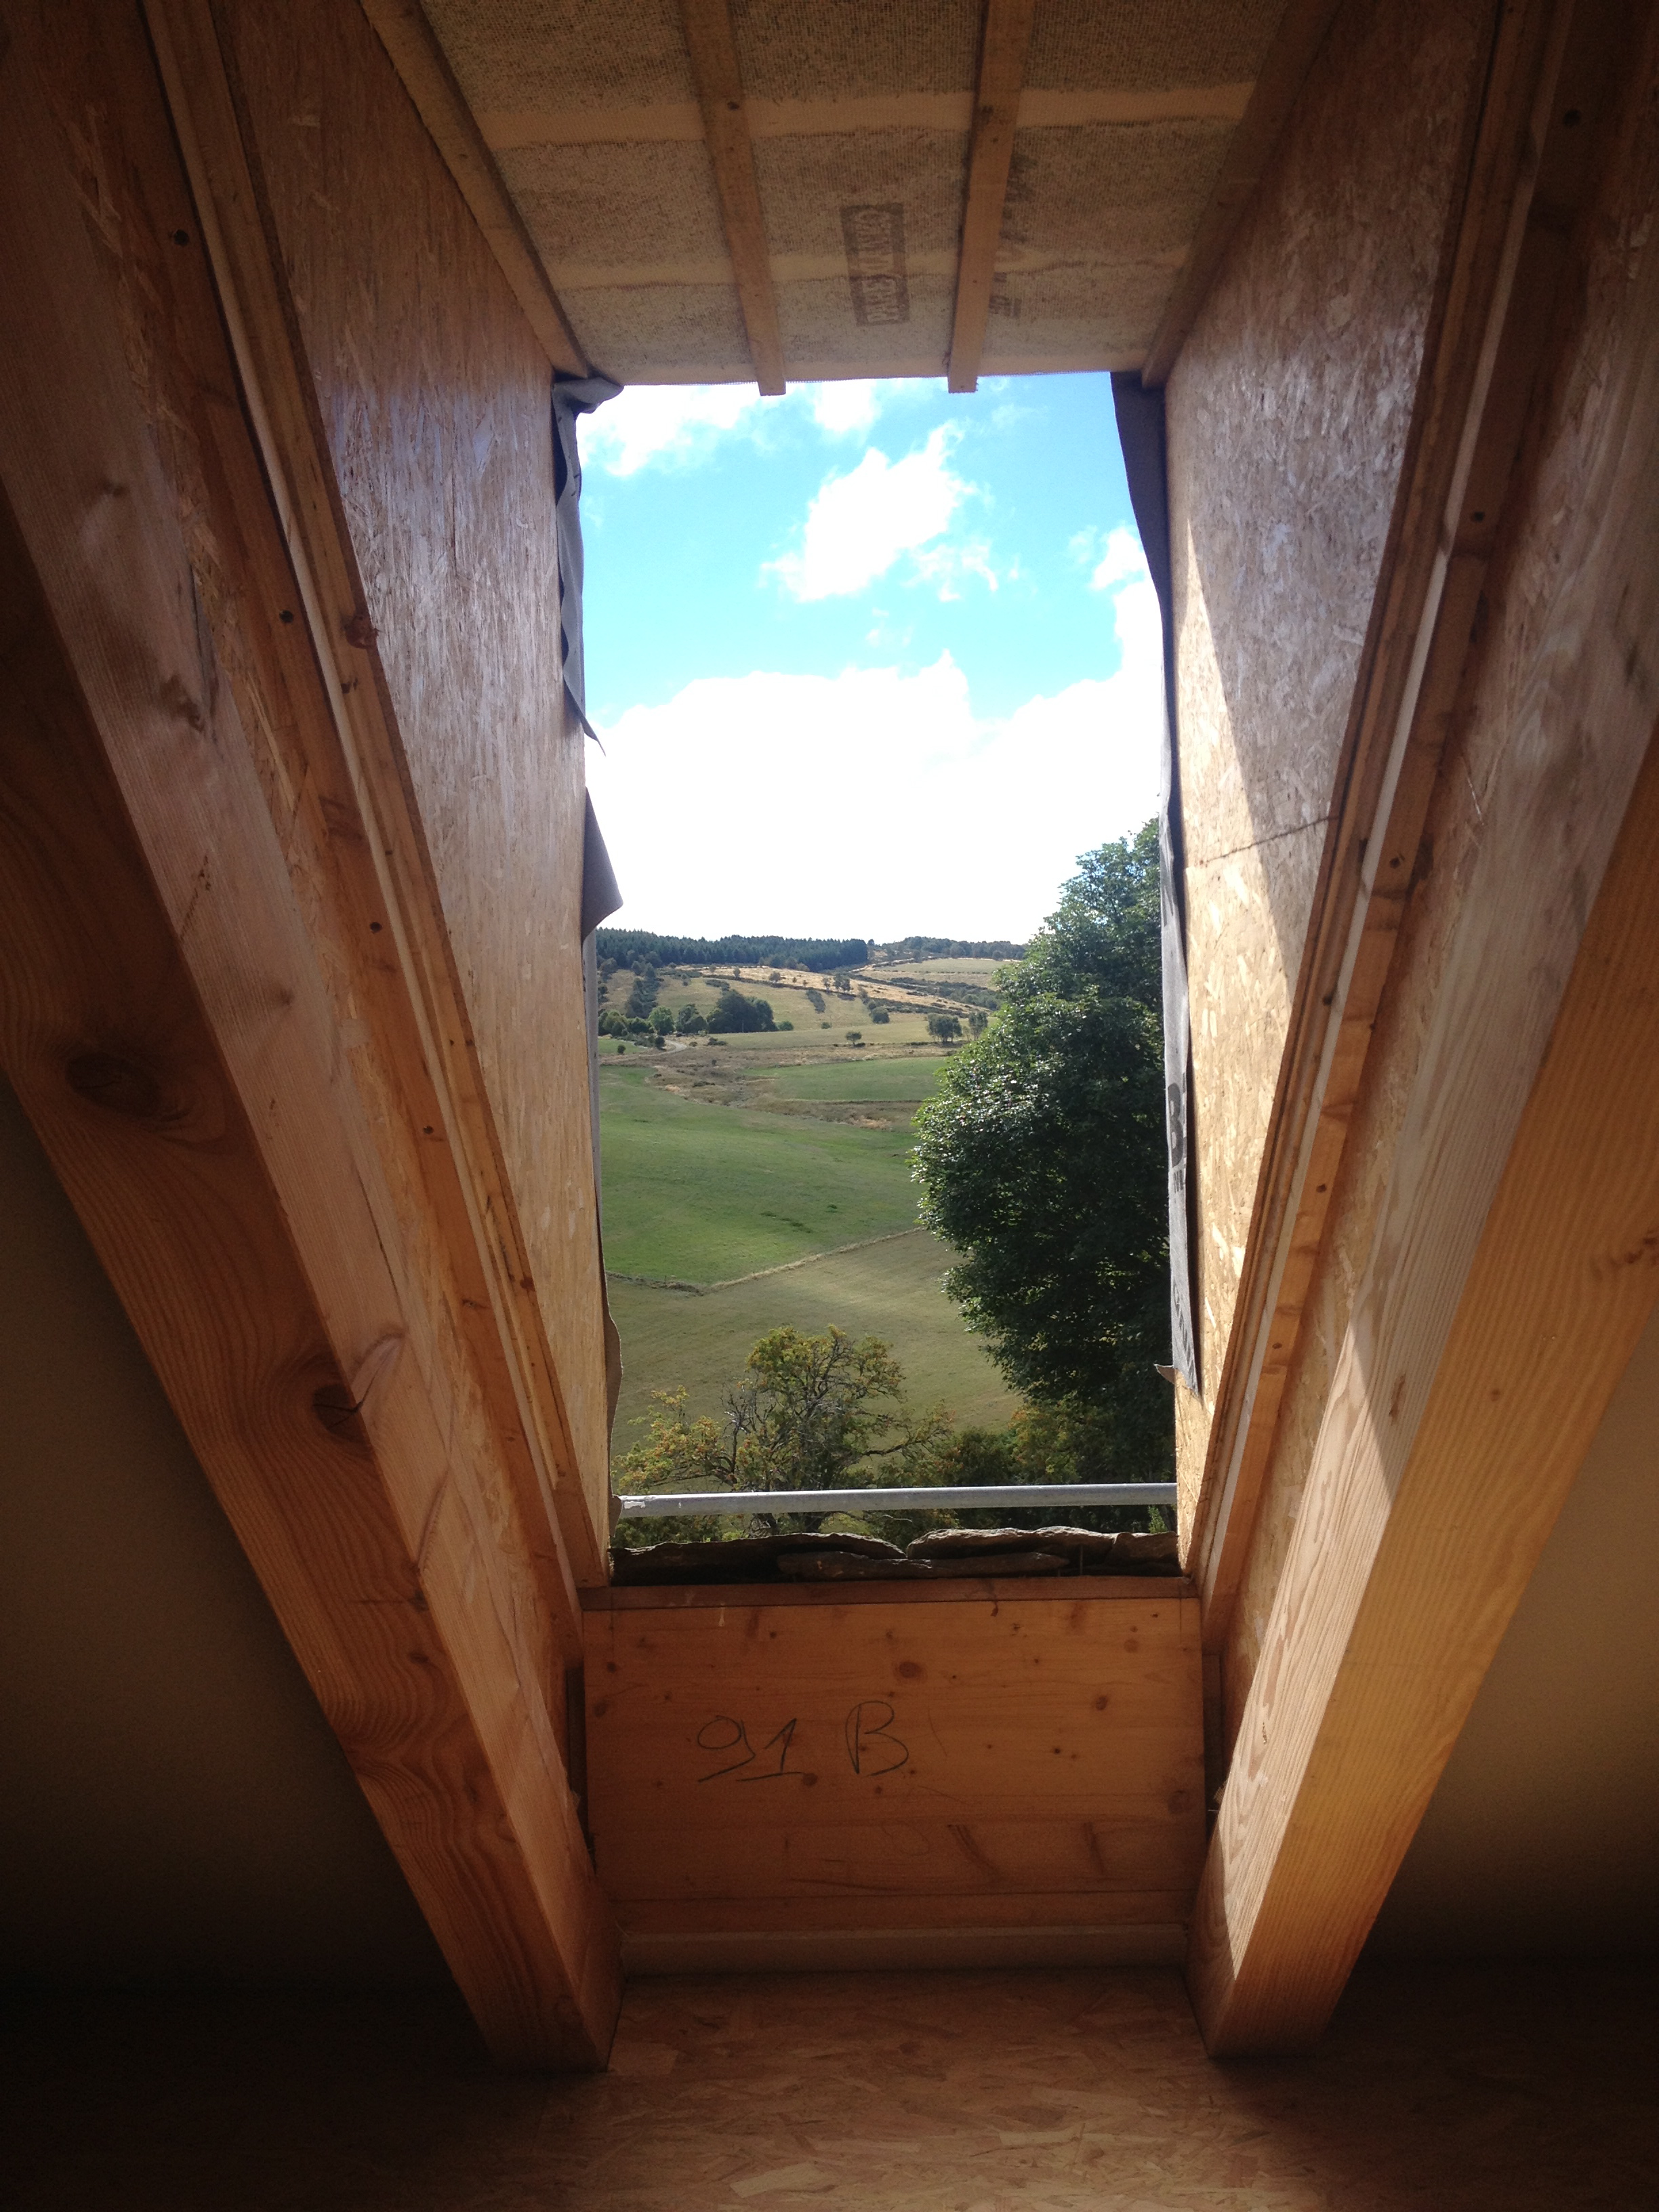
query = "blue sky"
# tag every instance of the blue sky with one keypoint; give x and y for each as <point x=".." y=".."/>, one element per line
<point x="867" y="659"/>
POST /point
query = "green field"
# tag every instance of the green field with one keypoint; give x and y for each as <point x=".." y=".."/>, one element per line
<point x="702" y="1192"/>
<point x="864" y="1079"/>
<point x="728" y="1159"/>
<point x="672" y="1338"/>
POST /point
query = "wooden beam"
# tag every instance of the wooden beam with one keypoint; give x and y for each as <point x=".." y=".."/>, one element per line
<point x="1515" y="1256"/>
<point x="1007" y="40"/>
<point x="209" y="1011"/>
<point x="1480" y="361"/>
<point x="1300" y="34"/>
<point x="421" y="61"/>
<point x="505" y="1320"/>
<point x="713" y="49"/>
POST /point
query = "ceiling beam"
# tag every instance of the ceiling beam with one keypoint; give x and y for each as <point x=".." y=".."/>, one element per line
<point x="1513" y="1263"/>
<point x="713" y="49"/>
<point x="421" y="61"/>
<point x="1284" y="71"/>
<point x="211" y="1009"/>
<point x="1007" y="39"/>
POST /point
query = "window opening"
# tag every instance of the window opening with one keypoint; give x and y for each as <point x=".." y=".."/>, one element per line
<point x="879" y="676"/>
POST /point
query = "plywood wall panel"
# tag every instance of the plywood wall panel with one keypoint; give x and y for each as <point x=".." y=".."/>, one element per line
<point x="997" y="1764"/>
<point x="434" y="397"/>
<point x="1559" y="553"/>
<point x="1288" y="413"/>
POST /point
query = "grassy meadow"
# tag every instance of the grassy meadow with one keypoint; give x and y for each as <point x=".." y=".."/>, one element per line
<point x="779" y="1150"/>
<point x="673" y="1339"/>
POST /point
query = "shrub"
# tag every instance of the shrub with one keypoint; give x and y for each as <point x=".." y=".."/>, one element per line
<point x="785" y="1025"/>
<point x="854" y="1033"/>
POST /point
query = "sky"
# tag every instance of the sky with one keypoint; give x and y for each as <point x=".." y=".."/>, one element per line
<point x="869" y="661"/>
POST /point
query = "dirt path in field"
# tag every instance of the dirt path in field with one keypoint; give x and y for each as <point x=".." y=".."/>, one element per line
<point x="783" y="1267"/>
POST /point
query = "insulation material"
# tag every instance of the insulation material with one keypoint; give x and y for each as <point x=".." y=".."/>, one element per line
<point x="1148" y="45"/>
<point x="1115" y="191"/>
<point x="593" y="119"/>
<point x="803" y="50"/>
<point x="515" y="55"/>
<point x="607" y="216"/>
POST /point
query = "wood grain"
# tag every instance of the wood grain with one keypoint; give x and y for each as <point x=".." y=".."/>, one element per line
<point x="1290" y="417"/>
<point x="714" y="50"/>
<point x="1004" y="42"/>
<point x="1478" y="374"/>
<point x="189" y="916"/>
<point x="760" y="1768"/>
<point x="419" y="60"/>
<point x="1515" y="1256"/>
<point x="430" y="592"/>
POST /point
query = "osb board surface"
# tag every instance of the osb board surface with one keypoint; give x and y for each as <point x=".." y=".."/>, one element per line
<point x="594" y="119"/>
<point x="1288" y="412"/>
<point x="1467" y="2089"/>
<point x="1551" y="594"/>
<point x="434" y="398"/>
<point x="940" y="1756"/>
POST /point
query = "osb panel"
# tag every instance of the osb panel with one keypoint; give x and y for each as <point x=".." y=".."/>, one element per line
<point x="1466" y="2088"/>
<point x="1553" y="539"/>
<point x="1044" y="1756"/>
<point x="1288" y="410"/>
<point x="434" y="397"/>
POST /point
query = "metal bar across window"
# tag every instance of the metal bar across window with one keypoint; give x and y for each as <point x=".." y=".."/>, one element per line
<point x="689" y="1505"/>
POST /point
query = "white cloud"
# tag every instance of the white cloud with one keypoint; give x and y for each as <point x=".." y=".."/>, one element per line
<point x="840" y="408"/>
<point x="672" y="424"/>
<point x="874" y="802"/>
<point x="860" y="524"/>
<point x="669" y="423"/>
<point x="1122" y="562"/>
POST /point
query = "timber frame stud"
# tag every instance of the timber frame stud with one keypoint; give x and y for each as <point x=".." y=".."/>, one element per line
<point x="224" y="962"/>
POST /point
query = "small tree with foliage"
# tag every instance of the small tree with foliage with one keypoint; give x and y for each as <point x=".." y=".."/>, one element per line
<point x="1041" y="1160"/>
<point x="811" y="1412"/>
<point x="944" y="1027"/>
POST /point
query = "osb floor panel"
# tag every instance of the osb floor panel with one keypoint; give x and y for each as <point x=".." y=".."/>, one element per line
<point x="1462" y="2091"/>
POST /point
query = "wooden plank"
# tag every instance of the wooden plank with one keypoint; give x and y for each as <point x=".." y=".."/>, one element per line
<point x="548" y="1462"/>
<point x="1151" y="1853"/>
<point x="1062" y="1590"/>
<point x="934" y="1759"/>
<point x="190" y="915"/>
<point x="1006" y="42"/>
<point x="902" y="1949"/>
<point x="1479" y="372"/>
<point x="1300" y="34"/>
<point x="814" y="1913"/>
<point x="1516" y="1259"/>
<point x="714" y="50"/>
<point x="430" y="82"/>
<point x="1040" y="109"/>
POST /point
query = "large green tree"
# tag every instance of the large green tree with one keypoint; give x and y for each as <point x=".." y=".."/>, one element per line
<point x="1041" y="1160"/>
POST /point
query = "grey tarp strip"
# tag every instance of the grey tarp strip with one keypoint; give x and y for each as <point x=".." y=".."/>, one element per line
<point x="1140" y="432"/>
<point x="573" y="396"/>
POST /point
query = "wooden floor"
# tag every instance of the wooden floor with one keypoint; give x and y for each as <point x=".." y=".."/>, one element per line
<point x="1464" y="2090"/>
